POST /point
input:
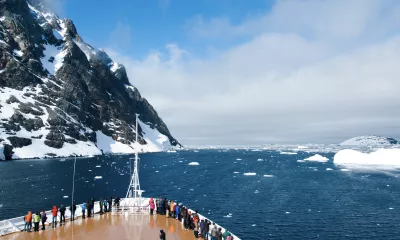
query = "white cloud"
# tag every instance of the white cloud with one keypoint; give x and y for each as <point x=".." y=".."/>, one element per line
<point x="290" y="82"/>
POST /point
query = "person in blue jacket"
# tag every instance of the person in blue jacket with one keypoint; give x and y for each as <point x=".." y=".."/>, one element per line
<point x="83" y="209"/>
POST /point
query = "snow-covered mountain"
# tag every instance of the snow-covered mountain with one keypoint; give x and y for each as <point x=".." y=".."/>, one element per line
<point x="369" y="141"/>
<point x="59" y="96"/>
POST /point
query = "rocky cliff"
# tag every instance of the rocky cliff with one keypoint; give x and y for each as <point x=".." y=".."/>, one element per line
<point x="59" y="96"/>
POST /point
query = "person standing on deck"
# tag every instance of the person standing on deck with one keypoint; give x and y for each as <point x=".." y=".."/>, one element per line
<point x="62" y="214"/>
<point x="105" y="203"/>
<point x="116" y="201"/>
<point x="167" y="207"/>
<point x="172" y="209"/>
<point x="44" y="219"/>
<point x="101" y="206"/>
<point x="152" y="206"/>
<point x="226" y="235"/>
<point x="214" y="232"/>
<point x="54" y="212"/>
<point x="202" y="229"/>
<point x="110" y="204"/>
<point x="89" y="208"/>
<point x="28" y="221"/>
<point x="162" y="235"/>
<point x="177" y="212"/>
<point x="162" y="204"/>
<point x="36" y="221"/>
<point x="196" y="227"/>
<point x="219" y="234"/>
<point x="83" y="206"/>
<point x="73" y="209"/>
<point x="158" y="206"/>
<point x="92" y="200"/>
<point x="206" y="229"/>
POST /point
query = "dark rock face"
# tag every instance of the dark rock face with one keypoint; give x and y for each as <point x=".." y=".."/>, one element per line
<point x="18" y="142"/>
<point x="68" y="88"/>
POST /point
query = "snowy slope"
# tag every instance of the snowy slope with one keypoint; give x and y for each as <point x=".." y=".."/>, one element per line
<point x="369" y="141"/>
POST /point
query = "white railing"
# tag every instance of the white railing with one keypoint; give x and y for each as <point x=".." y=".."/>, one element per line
<point x="17" y="224"/>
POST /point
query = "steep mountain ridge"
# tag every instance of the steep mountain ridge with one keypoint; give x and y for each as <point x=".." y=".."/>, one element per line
<point x="59" y="96"/>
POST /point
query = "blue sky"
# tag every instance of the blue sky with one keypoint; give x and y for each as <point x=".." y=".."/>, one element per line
<point x="255" y="72"/>
<point x="137" y="27"/>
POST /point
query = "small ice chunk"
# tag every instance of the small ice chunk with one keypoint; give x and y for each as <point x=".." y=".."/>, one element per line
<point x="345" y="170"/>
<point x="253" y="225"/>
<point x="288" y="153"/>
<point x="65" y="196"/>
<point x="268" y="176"/>
<point x="235" y="172"/>
<point x="250" y="174"/>
<point x="391" y="208"/>
<point x="260" y="160"/>
<point x="256" y="191"/>
<point x="194" y="164"/>
<point x="238" y="159"/>
<point x="317" y="158"/>
<point x="301" y="161"/>
<point x="157" y="171"/>
<point x="329" y="169"/>
<point x="98" y="177"/>
<point x="98" y="166"/>
<point x="287" y="212"/>
<point x="89" y="170"/>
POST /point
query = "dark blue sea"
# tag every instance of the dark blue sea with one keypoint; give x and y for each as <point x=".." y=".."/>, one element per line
<point x="301" y="200"/>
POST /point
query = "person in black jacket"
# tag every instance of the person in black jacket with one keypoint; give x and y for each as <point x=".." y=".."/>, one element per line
<point x="62" y="214"/>
<point x="43" y="216"/>
<point x="162" y="235"/>
<point x="73" y="209"/>
<point x="110" y="204"/>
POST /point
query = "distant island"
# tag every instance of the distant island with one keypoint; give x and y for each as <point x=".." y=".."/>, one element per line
<point x="369" y="141"/>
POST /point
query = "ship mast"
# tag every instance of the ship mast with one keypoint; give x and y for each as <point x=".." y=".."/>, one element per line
<point x="134" y="190"/>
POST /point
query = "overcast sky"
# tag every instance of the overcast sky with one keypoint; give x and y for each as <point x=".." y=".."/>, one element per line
<point x="266" y="72"/>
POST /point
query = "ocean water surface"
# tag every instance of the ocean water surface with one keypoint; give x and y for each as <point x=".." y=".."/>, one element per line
<point x="254" y="194"/>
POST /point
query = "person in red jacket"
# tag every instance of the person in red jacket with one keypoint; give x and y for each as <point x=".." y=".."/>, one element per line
<point x="152" y="206"/>
<point x="54" y="212"/>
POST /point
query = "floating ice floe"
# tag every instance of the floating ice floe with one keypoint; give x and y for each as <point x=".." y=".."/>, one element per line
<point x="287" y="212"/>
<point x="345" y="170"/>
<point x="194" y="164"/>
<point x="317" y="158"/>
<point x="157" y="171"/>
<point x="98" y="177"/>
<point x="288" y="153"/>
<point x="250" y="174"/>
<point x="301" y="161"/>
<point x="238" y="159"/>
<point x="386" y="157"/>
<point x="235" y="172"/>
<point x="89" y="170"/>
<point x="98" y="166"/>
<point x="268" y="176"/>
<point x="253" y="225"/>
<point x="260" y="160"/>
<point x="329" y="169"/>
<point x="65" y="196"/>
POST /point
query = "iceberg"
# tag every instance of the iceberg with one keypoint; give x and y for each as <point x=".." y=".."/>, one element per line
<point x="194" y="164"/>
<point x="386" y="157"/>
<point x="317" y="158"/>
<point x="250" y="174"/>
